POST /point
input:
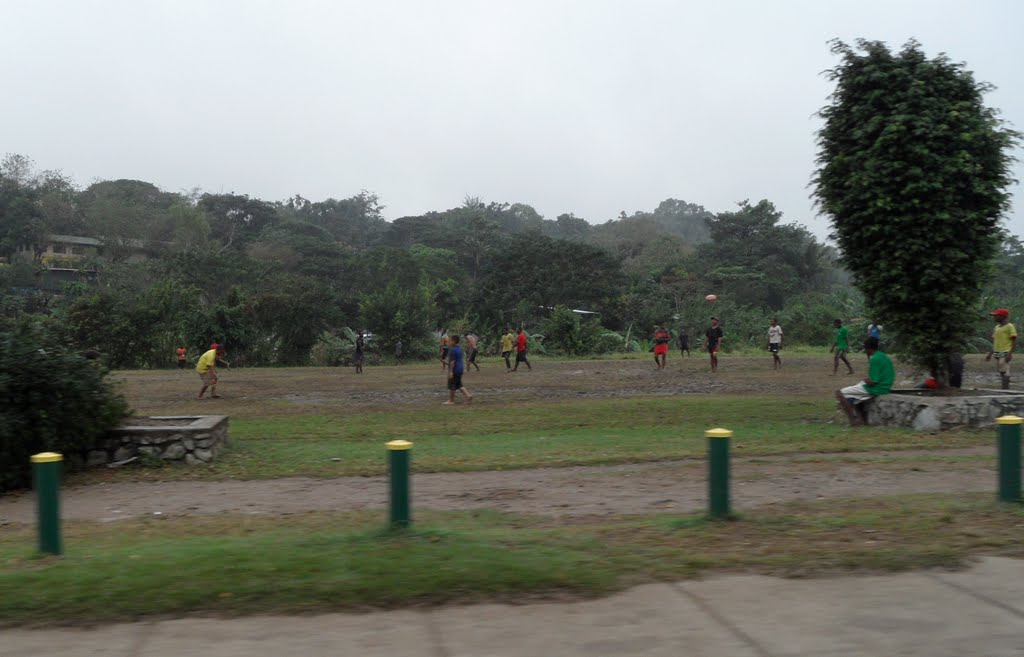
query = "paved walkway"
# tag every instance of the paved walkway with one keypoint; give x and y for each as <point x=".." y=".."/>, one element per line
<point x="931" y="614"/>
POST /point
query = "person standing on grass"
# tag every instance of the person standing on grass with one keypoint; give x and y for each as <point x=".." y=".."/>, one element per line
<point x="661" y="340"/>
<point x="206" y="368"/>
<point x="713" y="342"/>
<point x="775" y="343"/>
<point x="471" y="341"/>
<point x="182" y="354"/>
<point x="455" y="369"/>
<point x="841" y="347"/>
<point x="1004" y="339"/>
<point x="507" y="341"/>
<point x="398" y="352"/>
<point x="881" y="375"/>
<point x="444" y="348"/>
<point x="521" y="350"/>
<point x="684" y="342"/>
<point x="357" y="357"/>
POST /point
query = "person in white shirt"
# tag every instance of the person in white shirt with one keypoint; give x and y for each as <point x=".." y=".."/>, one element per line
<point x="775" y="343"/>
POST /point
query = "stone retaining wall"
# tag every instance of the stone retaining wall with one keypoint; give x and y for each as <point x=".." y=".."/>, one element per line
<point x="188" y="439"/>
<point x="938" y="413"/>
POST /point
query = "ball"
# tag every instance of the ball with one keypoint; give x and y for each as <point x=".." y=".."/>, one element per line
<point x="711" y="297"/>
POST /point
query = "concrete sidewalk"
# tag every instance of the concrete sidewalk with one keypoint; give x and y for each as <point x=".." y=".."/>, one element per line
<point x="931" y="614"/>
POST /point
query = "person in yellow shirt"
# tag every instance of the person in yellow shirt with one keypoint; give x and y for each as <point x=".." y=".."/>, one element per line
<point x="207" y="370"/>
<point x="507" y="341"/>
<point x="1004" y="339"/>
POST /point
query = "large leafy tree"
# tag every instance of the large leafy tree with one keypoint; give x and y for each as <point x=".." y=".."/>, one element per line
<point x="913" y="171"/>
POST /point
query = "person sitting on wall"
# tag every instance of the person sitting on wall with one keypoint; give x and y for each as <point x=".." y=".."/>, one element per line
<point x="881" y="375"/>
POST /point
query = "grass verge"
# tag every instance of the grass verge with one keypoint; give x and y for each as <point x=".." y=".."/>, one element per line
<point x="539" y="434"/>
<point x="322" y="562"/>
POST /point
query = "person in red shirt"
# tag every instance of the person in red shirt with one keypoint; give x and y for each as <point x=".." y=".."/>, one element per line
<point x="182" y="356"/>
<point x="661" y="339"/>
<point x="521" y="350"/>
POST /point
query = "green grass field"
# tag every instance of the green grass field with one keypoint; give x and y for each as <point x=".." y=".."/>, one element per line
<point x="317" y="562"/>
<point x="540" y="434"/>
<point x="330" y="423"/>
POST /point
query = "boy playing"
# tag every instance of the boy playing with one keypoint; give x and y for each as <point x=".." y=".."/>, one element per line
<point x="684" y="342"/>
<point x="661" y="340"/>
<point x="206" y="368"/>
<point x="713" y="342"/>
<point x="841" y="347"/>
<point x="521" y="350"/>
<point x="471" y="340"/>
<point x="1004" y="339"/>
<point x="455" y="369"/>
<point x="881" y="375"/>
<point x="506" y="347"/>
<point x="775" y="343"/>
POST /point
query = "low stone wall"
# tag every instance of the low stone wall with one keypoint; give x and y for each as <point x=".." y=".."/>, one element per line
<point x="978" y="408"/>
<point x="191" y="439"/>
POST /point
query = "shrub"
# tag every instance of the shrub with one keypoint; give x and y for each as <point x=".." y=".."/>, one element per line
<point x="51" y="399"/>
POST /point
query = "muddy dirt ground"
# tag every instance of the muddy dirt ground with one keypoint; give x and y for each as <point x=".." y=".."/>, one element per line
<point x="252" y="392"/>
<point x="554" y="492"/>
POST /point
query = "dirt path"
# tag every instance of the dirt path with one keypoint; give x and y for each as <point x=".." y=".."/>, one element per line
<point x="558" y="492"/>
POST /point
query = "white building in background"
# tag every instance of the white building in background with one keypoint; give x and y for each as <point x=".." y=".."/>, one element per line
<point x="61" y="251"/>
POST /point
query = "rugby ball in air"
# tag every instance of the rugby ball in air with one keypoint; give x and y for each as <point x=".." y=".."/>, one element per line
<point x="711" y="297"/>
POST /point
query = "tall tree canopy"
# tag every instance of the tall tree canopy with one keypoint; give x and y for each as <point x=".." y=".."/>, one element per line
<point x="913" y="170"/>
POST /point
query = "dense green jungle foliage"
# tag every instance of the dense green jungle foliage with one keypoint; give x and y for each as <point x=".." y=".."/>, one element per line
<point x="290" y="282"/>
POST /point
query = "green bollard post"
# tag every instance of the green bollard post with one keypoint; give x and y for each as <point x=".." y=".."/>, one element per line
<point x="718" y="472"/>
<point x="46" y="481"/>
<point x="1009" y="458"/>
<point x="398" y="463"/>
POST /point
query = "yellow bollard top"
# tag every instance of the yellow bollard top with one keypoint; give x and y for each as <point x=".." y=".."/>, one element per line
<point x="399" y="444"/>
<point x="47" y="457"/>
<point x="1010" y="419"/>
<point x="718" y="433"/>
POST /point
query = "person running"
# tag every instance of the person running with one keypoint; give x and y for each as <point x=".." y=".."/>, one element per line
<point x="775" y="343"/>
<point x="713" y="342"/>
<point x="507" y="341"/>
<point x="182" y="354"/>
<point x="455" y="368"/>
<point x="662" y="338"/>
<point x="521" y="350"/>
<point x="357" y="357"/>
<point x="841" y="347"/>
<point x="471" y="341"/>
<point x="444" y="348"/>
<point x="881" y="375"/>
<point x="1004" y="339"/>
<point x="684" y="342"/>
<point x="206" y="368"/>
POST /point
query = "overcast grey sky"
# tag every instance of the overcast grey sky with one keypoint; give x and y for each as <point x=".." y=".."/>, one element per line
<point x="589" y="106"/>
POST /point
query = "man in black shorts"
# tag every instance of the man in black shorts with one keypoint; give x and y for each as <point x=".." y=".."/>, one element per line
<point x="713" y="342"/>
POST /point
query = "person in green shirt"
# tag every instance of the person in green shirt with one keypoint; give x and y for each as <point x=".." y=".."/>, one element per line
<point x="881" y="375"/>
<point x="841" y="347"/>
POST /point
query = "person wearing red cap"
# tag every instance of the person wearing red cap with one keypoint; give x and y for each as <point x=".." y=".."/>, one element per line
<point x="1004" y="339"/>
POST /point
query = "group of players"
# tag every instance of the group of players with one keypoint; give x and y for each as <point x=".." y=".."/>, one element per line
<point x="455" y="360"/>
